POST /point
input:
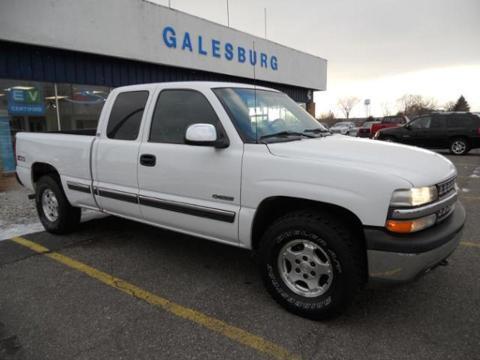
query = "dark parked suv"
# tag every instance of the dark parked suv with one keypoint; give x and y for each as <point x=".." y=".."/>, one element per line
<point x="459" y="132"/>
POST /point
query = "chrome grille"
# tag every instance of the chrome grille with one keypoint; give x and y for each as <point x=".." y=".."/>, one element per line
<point x="445" y="187"/>
<point x="443" y="213"/>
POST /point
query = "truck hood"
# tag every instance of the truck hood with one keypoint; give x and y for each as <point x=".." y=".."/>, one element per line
<point x="418" y="166"/>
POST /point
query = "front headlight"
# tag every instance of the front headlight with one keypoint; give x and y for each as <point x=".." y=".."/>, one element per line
<point x="414" y="196"/>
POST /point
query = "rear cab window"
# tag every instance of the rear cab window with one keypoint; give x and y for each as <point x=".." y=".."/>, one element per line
<point x="460" y="121"/>
<point x="394" y="120"/>
<point x="126" y="115"/>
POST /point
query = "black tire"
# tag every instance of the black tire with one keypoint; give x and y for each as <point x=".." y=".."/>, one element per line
<point x="459" y="146"/>
<point x="68" y="216"/>
<point x="336" y="240"/>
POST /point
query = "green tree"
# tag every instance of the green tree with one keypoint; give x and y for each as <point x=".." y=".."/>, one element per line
<point x="461" y="105"/>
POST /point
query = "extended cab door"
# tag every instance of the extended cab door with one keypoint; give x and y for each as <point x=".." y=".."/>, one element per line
<point x="115" y="154"/>
<point x="190" y="188"/>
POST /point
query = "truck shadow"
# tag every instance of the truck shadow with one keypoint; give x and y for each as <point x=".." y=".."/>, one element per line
<point x="216" y="277"/>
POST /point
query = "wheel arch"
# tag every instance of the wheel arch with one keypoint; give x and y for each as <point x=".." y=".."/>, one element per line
<point x="274" y="207"/>
<point x="40" y="169"/>
<point x="463" y="137"/>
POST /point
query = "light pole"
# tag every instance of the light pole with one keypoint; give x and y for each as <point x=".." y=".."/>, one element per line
<point x="366" y="102"/>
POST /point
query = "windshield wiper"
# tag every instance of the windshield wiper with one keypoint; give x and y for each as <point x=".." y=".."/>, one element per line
<point x="285" y="133"/>
<point x="316" y="130"/>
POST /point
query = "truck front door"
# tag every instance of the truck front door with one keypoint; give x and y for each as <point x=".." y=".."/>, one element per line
<point x="194" y="189"/>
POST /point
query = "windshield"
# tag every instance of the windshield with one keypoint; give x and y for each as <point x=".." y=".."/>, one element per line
<point x="263" y="114"/>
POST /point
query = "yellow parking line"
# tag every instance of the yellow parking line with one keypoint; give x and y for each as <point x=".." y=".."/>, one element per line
<point x="234" y="333"/>
<point x="470" y="244"/>
<point x="466" y="197"/>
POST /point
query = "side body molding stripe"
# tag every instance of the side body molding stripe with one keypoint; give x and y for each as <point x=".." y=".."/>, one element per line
<point x="184" y="208"/>
<point x="117" y="195"/>
<point x="79" y="187"/>
<point x="195" y="210"/>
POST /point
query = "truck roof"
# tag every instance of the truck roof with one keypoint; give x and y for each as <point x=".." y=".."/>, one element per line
<point x="193" y="85"/>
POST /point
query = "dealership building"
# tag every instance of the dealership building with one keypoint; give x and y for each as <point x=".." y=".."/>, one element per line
<point x="60" y="59"/>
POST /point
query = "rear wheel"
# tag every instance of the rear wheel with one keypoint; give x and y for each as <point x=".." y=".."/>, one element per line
<point x="55" y="212"/>
<point x="459" y="146"/>
<point x="311" y="264"/>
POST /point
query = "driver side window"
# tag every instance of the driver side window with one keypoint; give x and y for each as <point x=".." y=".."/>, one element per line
<point x="175" y="111"/>
<point x="421" y="123"/>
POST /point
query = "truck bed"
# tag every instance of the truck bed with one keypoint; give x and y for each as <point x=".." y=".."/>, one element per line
<point x="67" y="152"/>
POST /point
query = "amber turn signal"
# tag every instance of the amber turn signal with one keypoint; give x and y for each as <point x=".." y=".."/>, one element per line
<point x="409" y="226"/>
<point x="400" y="226"/>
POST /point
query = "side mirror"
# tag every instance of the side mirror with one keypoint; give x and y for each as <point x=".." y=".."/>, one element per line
<point x="407" y="126"/>
<point x="204" y="135"/>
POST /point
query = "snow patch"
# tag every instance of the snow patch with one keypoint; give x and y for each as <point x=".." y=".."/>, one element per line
<point x="7" y="231"/>
<point x="12" y="230"/>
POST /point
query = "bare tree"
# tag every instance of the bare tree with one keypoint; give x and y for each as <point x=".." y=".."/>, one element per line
<point x="386" y="108"/>
<point x="327" y="118"/>
<point x="346" y="104"/>
<point x="412" y="105"/>
<point x="449" y="106"/>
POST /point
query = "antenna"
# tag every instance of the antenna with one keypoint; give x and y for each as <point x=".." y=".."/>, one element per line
<point x="255" y="96"/>
<point x="228" y="15"/>
<point x="169" y="3"/>
<point x="265" y="20"/>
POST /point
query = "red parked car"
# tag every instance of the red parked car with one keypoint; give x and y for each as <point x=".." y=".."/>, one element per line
<point x="365" y="131"/>
<point x="389" y="122"/>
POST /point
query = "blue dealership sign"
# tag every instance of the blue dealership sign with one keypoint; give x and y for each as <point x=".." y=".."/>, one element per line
<point x="6" y="147"/>
<point x="26" y="102"/>
<point x="200" y="45"/>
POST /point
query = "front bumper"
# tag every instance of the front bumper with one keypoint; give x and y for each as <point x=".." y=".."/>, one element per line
<point x="402" y="258"/>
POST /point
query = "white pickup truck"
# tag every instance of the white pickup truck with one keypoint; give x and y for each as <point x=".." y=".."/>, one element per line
<point x="246" y="166"/>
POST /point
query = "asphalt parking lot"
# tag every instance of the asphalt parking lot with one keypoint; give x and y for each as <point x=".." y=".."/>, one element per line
<point x="121" y="290"/>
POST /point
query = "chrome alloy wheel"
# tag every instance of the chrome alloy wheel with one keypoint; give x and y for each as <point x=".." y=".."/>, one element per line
<point x="458" y="147"/>
<point x="305" y="268"/>
<point x="50" y="205"/>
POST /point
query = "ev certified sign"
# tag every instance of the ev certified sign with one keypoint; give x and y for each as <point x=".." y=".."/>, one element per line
<point x="147" y="32"/>
<point x="26" y="102"/>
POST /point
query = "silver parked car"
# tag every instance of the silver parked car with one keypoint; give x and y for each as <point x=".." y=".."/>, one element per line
<point x="344" y="128"/>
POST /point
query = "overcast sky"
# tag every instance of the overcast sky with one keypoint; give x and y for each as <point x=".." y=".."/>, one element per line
<point x="377" y="49"/>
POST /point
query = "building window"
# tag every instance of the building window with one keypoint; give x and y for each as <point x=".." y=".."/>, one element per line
<point x="40" y="106"/>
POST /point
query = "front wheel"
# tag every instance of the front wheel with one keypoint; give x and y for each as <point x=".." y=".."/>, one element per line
<point x="311" y="264"/>
<point x="55" y="212"/>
